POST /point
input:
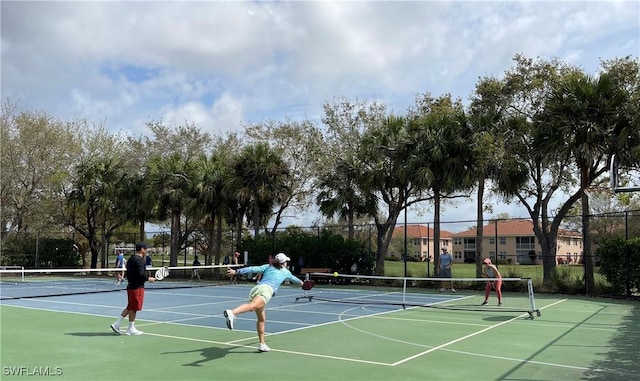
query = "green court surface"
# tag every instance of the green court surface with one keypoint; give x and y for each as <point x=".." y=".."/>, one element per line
<point x="574" y="339"/>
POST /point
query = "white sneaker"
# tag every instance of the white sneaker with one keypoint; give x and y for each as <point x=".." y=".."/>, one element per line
<point x="119" y="282"/>
<point x="263" y="347"/>
<point x="442" y="289"/>
<point x="115" y="328"/>
<point x="134" y="332"/>
<point x="453" y="290"/>
<point x="230" y="318"/>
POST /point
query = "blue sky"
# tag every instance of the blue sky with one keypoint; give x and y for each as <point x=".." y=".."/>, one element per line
<point x="222" y="64"/>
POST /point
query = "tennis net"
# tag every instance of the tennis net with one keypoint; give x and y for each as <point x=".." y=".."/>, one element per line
<point x="469" y="293"/>
<point x="20" y="283"/>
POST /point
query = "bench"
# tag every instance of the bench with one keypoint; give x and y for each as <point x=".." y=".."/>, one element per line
<point x="307" y="270"/>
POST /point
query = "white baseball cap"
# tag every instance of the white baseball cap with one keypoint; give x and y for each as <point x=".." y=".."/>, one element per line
<point x="282" y="258"/>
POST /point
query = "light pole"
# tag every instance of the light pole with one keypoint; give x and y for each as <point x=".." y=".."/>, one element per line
<point x="405" y="230"/>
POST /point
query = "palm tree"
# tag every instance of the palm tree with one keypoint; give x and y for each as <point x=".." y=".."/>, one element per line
<point x="339" y="195"/>
<point x="208" y="198"/>
<point x="168" y="182"/>
<point x="95" y="203"/>
<point x="259" y="177"/>
<point x="442" y="136"/>
<point x="137" y="205"/>
<point x="584" y="118"/>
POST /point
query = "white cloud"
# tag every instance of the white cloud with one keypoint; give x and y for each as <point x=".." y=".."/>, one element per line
<point x="221" y="65"/>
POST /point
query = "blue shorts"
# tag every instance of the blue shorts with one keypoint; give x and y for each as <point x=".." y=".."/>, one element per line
<point x="445" y="273"/>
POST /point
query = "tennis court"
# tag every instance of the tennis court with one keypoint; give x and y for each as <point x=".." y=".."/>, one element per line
<point x="186" y="337"/>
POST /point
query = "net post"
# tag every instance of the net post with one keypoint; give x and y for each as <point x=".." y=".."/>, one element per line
<point x="22" y="272"/>
<point x="404" y="292"/>
<point x="532" y="301"/>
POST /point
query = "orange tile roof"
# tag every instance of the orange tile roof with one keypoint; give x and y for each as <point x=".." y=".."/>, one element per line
<point x="419" y="231"/>
<point x="511" y="228"/>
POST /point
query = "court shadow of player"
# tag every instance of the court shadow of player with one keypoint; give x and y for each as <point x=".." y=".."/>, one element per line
<point x="90" y="334"/>
<point x="210" y="354"/>
<point x="498" y="318"/>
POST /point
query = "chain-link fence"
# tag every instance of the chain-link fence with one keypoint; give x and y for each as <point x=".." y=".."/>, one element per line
<point x="342" y="248"/>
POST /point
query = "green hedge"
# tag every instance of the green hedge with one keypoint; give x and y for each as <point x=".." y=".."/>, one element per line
<point x="619" y="261"/>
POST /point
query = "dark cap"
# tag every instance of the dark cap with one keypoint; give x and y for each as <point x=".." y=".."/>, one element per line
<point x="140" y="246"/>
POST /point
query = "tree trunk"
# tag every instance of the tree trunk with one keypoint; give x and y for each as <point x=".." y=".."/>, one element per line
<point x="436" y="232"/>
<point x="141" y="231"/>
<point x="175" y="239"/>
<point x="385" y="232"/>
<point x="589" y="281"/>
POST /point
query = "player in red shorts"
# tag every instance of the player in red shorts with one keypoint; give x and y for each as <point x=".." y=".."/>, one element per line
<point x="491" y="271"/>
<point x="136" y="275"/>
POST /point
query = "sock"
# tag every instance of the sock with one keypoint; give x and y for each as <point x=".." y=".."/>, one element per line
<point x="119" y="320"/>
<point x="131" y="325"/>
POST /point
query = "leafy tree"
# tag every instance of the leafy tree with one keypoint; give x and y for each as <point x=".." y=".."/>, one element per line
<point x="584" y="119"/>
<point x="188" y="141"/>
<point x="521" y="96"/>
<point x="339" y="193"/>
<point x="37" y="153"/>
<point x="390" y="172"/>
<point x="487" y="114"/>
<point x="298" y="144"/>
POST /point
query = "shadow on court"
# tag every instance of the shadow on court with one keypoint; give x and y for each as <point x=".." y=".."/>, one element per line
<point x="212" y="353"/>
<point x="91" y="334"/>
<point x="623" y="356"/>
<point x="498" y="318"/>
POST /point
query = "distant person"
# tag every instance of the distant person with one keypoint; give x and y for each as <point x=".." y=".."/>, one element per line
<point x="121" y="264"/>
<point x="446" y="260"/>
<point x="491" y="271"/>
<point x="274" y="274"/>
<point x="194" y="273"/>
<point x="148" y="262"/>
<point x="136" y="275"/>
<point x="235" y="261"/>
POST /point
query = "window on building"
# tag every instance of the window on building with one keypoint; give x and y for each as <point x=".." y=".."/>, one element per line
<point x="492" y="241"/>
<point x="503" y="240"/>
<point x="469" y="244"/>
<point x="503" y="255"/>
<point x="525" y="243"/>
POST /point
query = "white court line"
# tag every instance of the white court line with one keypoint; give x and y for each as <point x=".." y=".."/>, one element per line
<point x="272" y="349"/>
<point x="521" y="360"/>
<point x="233" y="343"/>
<point x="468" y="336"/>
<point x="147" y="321"/>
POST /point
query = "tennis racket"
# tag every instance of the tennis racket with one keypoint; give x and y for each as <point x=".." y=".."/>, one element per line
<point x="162" y="273"/>
<point x="308" y="284"/>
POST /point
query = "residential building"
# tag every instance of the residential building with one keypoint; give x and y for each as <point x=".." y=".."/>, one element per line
<point x="514" y="242"/>
<point x="420" y="244"/>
